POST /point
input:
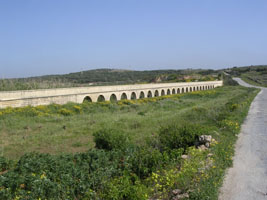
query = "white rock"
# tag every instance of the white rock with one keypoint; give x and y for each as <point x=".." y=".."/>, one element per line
<point x="176" y="191"/>
<point x="205" y="138"/>
<point x="202" y="147"/>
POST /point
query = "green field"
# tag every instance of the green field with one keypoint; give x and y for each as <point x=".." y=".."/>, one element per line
<point x="125" y="150"/>
<point x="255" y="78"/>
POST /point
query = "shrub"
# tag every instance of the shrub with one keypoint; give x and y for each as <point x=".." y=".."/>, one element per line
<point x="125" y="187"/>
<point x="227" y="80"/>
<point x="65" y="112"/>
<point x="110" y="139"/>
<point x="145" y="160"/>
<point x="179" y="136"/>
<point x="4" y="164"/>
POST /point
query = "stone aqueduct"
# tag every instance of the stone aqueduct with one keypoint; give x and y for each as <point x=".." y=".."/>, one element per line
<point x="99" y="93"/>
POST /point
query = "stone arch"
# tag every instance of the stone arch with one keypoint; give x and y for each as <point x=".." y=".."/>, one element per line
<point x="142" y="95"/>
<point x="100" y="98"/>
<point x="197" y="88"/>
<point x="186" y="90"/>
<point x="87" y="99"/>
<point x="194" y="88"/>
<point x="190" y="89"/>
<point x="168" y="92"/>
<point x="162" y="92"/>
<point x="113" y="98"/>
<point x="123" y="96"/>
<point x="173" y="91"/>
<point x="149" y="94"/>
<point x="178" y="91"/>
<point x="156" y="93"/>
<point x="182" y="90"/>
<point x="133" y="96"/>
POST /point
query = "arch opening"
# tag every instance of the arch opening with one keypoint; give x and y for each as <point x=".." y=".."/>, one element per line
<point x="142" y="95"/>
<point x="168" y="92"/>
<point x="123" y="96"/>
<point x="162" y="92"/>
<point x="186" y="90"/>
<point x="190" y="89"/>
<point x="133" y="96"/>
<point x="113" y="98"/>
<point x="178" y="91"/>
<point x="182" y="90"/>
<point x="149" y="94"/>
<point x="156" y="93"/>
<point x="173" y="91"/>
<point x="87" y="99"/>
<point x="100" y="98"/>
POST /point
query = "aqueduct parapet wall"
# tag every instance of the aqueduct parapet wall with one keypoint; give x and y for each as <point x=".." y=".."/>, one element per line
<point x="98" y="93"/>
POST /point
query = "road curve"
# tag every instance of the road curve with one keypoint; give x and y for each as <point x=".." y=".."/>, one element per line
<point x="247" y="179"/>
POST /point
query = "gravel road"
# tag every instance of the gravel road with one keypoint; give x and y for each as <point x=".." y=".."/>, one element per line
<point x="247" y="180"/>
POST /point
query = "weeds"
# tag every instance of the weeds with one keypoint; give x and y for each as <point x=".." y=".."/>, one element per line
<point x="138" y="143"/>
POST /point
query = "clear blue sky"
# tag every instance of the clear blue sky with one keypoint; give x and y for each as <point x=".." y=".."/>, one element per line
<point x="40" y="37"/>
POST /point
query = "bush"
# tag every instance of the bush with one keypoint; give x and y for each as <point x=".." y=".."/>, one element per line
<point x="4" y="164"/>
<point x="227" y="80"/>
<point x="65" y="112"/>
<point x="145" y="160"/>
<point x="179" y="136"/>
<point x="109" y="139"/>
<point x="125" y="187"/>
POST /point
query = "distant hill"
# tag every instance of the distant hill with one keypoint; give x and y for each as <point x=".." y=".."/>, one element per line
<point x="108" y="77"/>
<point x="256" y="75"/>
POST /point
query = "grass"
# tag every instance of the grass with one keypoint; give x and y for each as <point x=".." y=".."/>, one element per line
<point x="255" y="78"/>
<point x="146" y="168"/>
<point x="58" y="133"/>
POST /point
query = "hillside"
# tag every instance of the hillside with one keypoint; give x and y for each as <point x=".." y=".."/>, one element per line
<point x="107" y="77"/>
<point x="255" y="75"/>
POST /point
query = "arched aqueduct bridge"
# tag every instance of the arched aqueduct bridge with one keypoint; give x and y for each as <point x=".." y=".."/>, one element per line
<point x="99" y="93"/>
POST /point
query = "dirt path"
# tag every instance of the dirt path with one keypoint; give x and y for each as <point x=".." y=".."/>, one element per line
<point x="247" y="180"/>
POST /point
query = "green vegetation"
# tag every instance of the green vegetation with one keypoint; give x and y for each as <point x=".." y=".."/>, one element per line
<point x="126" y="150"/>
<point x="107" y="77"/>
<point x="255" y="75"/>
